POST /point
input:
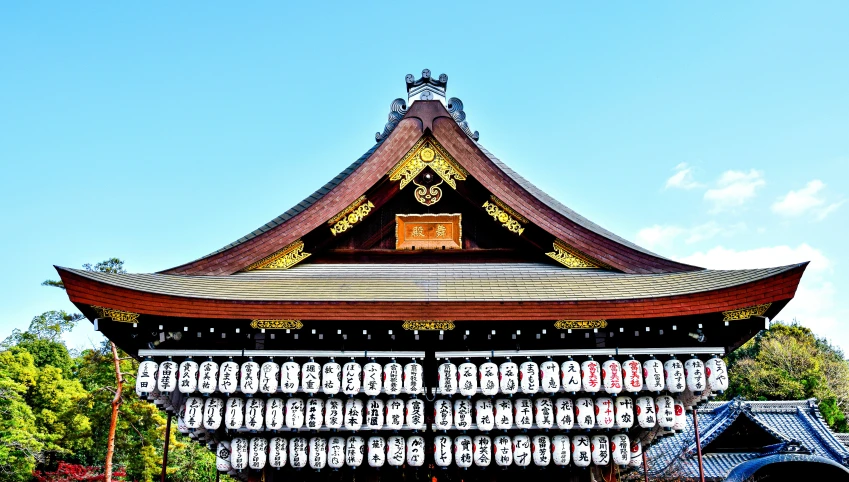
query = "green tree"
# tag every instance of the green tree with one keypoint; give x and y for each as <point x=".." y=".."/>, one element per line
<point x="20" y="446"/>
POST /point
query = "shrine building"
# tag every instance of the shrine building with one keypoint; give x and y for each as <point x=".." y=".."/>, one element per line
<point x="430" y="313"/>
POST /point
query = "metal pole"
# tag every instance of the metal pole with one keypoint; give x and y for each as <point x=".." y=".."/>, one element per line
<point x="698" y="445"/>
<point x="165" y="451"/>
<point x="645" y="467"/>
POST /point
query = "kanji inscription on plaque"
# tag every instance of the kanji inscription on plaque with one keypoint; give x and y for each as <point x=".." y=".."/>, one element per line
<point x="428" y="231"/>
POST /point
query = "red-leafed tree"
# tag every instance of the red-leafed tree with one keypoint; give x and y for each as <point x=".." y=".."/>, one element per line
<point x="66" y="472"/>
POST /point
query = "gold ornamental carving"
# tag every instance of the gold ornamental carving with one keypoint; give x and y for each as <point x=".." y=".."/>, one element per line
<point x="570" y="257"/>
<point x="427" y="153"/>
<point x="502" y="213"/>
<point x="116" y="315"/>
<point x="428" y="325"/>
<point x="283" y="259"/>
<point x="745" y="313"/>
<point x="428" y="231"/>
<point x="350" y="216"/>
<point x="277" y="324"/>
<point x="580" y="324"/>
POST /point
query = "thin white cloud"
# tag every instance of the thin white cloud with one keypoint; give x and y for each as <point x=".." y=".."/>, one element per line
<point x="733" y="189"/>
<point x="806" y="201"/>
<point x="683" y="178"/>
<point x="664" y="236"/>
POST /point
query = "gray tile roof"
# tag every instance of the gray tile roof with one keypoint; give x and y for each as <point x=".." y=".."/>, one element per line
<point x="433" y="282"/>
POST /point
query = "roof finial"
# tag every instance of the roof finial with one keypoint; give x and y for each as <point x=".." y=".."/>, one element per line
<point x="426" y="88"/>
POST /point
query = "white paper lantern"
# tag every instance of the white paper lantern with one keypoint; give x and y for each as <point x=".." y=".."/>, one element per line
<point x="442" y="450"/>
<point x="374" y="414"/>
<point x="254" y="409"/>
<point x="600" y="447"/>
<point x="234" y="413"/>
<point x="336" y="452"/>
<point x="239" y="453"/>
<point x="311" y="377"/>
<point x="581" y="450"/>
<point x="249" y="376"/>
<point x="523" y="413"/>
<point x="484" y="414"/>
<point x="541" y="450"/>
<point x="395" y="414"/>
<point x="208" y="377"/>
<point x="376" y="451"/>
<point x="529" y="377"/>
<point x="503" y="414"/>
<point x="331" y="378"/>
<point x="298" y="452"/>
<point x="314" y="414"/>
<point x="396" y="451"/>
<point x="213" y="413"/>
<point x="295" y="414"/>
<point x="605" y="414"/>
<point x="503" y="451"/>
<point x="413" y="378"/>
<point x="624" y="412"/>
<point x="188" y="376"/>
<point x="561" y="450"/>
<point x="653" y="378"/>
<point x="463" y="452"/>
<point x="443" y="414"/>
<point x="354" y="450"/>
<point x="549" y="376"/>
<point x="277" y="452"/>
<point x="570" y="376"/>
<point x="415" y="451"/>
<point x="646" y="416"/>
<point x="352" y="377"/>
<point x="318" y="453"/>
<point x="228" y="377"/>
<point x="632" y="375"/>
<point x="564" y="413"/>
<point x="353" y="414"/>
<point x="585" y="413"/>
<point x="674" y="371"/>
<point x="508" y="374"/>
<point x="665" y="408"/>
<point x="488" y="376"/>
<point x="194" y="412"/>
<point x="591" y="376"/>
<point x="620" y="449"/>
<point x="717" y="374"/>
<point x="463" y="414"/>
<point x="680" y="417"/>
<point x="522" y="450"/>
<point x="636" y="454"/>
<point x="290" y="377"/>
<point x="467" y="381"/>
<point x="392" y="383"/>
<point x="372" y="378"/>
<point x="611" y="375"/>
<point x="167" y="378"/>
<point x="257" y="453"/>
<point x="334" y="415"/>
<point x="415" y="414"/>
<point x="274" y="418"/>
<point x="222" y="456"/>
<point x="446" y="378"/>
<point x="269" y="374"/>
<point x="181" y="422"/>
<point x="694" y="370"/>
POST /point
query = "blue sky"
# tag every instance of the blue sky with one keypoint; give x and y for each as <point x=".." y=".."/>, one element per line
<point x="160" y="132"/>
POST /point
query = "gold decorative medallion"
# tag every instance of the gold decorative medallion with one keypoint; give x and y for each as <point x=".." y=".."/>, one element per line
<point x="579" y="324"/>
<point x="745" y="313"/>
<point x="428" y="153"/>
<point x="570" y="257"/>
<point x="277" y="324"/>
<point x="428" y="231"/>
<point x="350" y="216"/>
<point x="116" y="315"/>
<point x="502" y="213"/>
<point x="428" y="325"/>
<point x="283" y="259"/>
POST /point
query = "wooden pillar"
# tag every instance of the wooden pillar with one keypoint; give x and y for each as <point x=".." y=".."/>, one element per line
<point x="165" y="450"/>
<point x="645" y="466"/>
<point x="698" y="445"/>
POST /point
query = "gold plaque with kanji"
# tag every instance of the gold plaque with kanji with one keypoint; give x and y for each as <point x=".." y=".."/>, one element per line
<point x="428" y="231"/>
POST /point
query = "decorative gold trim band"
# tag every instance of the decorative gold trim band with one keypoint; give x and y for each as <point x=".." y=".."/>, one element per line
<point x="509" y="210"/>
<point x="745" y="313"/>
<point x="579" y="324"/>
<point x="283" y="259"/>
<point x="116" y="315"/>
<point x="571" y="257"/>
<point x="277" y="324"/>
<point x="428" y="325"/>
<point x="504" y="217"/>
<point x="350" y="216"/>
